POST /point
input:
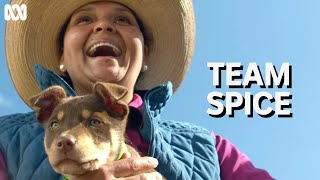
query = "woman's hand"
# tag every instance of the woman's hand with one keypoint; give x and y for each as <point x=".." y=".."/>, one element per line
<point x="125" y="169"/>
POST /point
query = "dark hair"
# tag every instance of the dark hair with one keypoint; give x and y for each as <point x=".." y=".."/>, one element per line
<point x="62" y="33"/>
<point x="146" y="35"/>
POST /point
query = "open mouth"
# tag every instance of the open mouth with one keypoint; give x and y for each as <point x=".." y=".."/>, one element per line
<point x="103" y="49"/>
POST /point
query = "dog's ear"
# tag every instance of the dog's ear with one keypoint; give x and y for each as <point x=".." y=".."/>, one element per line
<point x="46" y="101"/>
<point x="112" y="95"/>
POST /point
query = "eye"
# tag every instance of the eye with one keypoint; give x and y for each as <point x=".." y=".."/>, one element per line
<point x="84" y="20"/>
<point x="54" y="125"/>
<point x="94" y="122"/>
<point x="122" y="20"/>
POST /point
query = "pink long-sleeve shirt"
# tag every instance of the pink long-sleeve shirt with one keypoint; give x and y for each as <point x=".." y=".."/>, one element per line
<point x="234" y="165"/>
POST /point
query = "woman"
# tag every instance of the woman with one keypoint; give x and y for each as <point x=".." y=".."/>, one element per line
<point x="137" y="44"/>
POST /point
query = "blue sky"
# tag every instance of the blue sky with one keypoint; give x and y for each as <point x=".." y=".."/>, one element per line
<point x="244" y="31"/>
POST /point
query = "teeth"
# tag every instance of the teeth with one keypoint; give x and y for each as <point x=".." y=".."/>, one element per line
<point x="93" y="48"/>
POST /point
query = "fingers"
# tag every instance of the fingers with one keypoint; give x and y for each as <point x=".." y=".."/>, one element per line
<point x="144" y="176"/>
<point x="126" y="155"/>
<point x="131" y="168"/>
<point x="127" y="167"/>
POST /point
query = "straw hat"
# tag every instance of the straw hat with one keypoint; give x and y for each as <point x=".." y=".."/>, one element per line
<point x="34" y="41"/>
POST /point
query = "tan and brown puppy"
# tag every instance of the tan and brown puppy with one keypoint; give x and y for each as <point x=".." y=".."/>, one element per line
<point x="83" y="132"/>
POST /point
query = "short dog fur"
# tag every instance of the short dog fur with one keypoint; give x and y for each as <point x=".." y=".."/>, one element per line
<point x="83" y="132"/>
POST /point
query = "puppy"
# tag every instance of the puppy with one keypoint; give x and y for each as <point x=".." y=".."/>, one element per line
<point x="83" y="132"/>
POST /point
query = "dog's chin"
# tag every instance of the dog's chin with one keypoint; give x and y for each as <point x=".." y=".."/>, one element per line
<point x="73" y="168"/>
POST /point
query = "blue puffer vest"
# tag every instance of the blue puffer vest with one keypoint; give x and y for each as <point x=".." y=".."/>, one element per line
<point x="184" y="151"/>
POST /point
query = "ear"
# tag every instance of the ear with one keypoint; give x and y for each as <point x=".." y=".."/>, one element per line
<point x="145" y="56"/>
<point x="112" y="95"/>
<point x="46" y="101"/>
<point x="61" y="52"/>
<point x="61" y="61"/>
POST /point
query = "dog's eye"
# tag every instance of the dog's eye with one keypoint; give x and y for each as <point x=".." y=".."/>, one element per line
<point x="54" y="124"/>
<point x="94" y="122"/>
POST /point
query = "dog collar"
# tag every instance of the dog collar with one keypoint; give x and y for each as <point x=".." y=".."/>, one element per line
<point x="122" y="150"/>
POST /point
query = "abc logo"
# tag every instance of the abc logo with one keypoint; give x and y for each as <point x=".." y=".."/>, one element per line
<point x="15" y="12"/>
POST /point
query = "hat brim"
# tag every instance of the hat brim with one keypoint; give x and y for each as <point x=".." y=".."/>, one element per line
<point x="34" y="41"/>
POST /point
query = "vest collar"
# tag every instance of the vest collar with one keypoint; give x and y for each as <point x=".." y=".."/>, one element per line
<point x="46" y="78"/>
<point x="154" y="99"/>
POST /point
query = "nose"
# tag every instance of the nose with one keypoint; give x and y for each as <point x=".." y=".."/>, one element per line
<point x="104" y="25"/>
<point x="66" y="143"/>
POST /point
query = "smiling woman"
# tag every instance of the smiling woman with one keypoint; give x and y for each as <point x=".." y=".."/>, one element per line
<point x="105" y="41"/>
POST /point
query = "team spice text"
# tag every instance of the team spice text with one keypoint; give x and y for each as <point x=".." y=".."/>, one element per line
<point x="226" y="104"/>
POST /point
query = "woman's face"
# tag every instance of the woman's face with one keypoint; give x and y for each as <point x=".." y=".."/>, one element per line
<point x="103" y="42"/>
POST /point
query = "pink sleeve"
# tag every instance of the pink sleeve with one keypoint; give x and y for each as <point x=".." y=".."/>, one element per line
<point x="3" y="172"/>
<point x="235" y="165"/>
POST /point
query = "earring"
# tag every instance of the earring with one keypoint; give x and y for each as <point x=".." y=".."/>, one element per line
<point x="144" y="68"/>
<point x="62" y="69"/>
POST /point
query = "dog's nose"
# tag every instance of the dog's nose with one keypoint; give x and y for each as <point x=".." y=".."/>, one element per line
<point x="66" y="143"/>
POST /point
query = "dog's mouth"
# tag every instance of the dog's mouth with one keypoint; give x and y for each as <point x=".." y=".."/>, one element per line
<point x="69" y="161"/>
<point x="72" y="161"/>
<point x="73" y="167"/>
<point x="103" y="49"/>
<point x="66" y="161"/>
